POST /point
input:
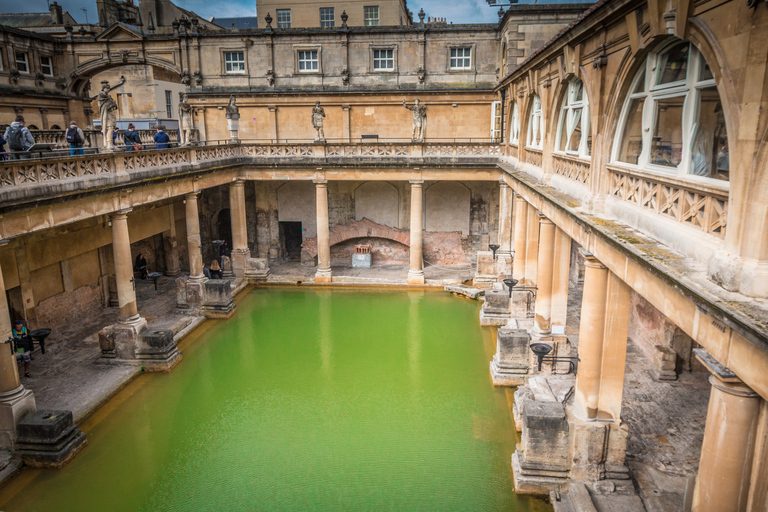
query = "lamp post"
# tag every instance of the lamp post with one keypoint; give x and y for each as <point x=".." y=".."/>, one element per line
<point x="494" y="248"/>
<point x="542" y="349"/>
<point x="510" y="284"/>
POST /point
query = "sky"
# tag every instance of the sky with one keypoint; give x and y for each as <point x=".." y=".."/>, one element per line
<point x="457" y="11"/>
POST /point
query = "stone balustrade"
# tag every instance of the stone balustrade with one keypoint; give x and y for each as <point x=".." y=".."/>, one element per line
<point x="572" y="168"/>
<point x="93" y="137"/>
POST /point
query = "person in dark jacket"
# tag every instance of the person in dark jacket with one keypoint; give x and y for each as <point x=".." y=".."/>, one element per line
<point x="162" y="139"/>
<point x="3" y="156"/>
<point x="131" y="137"/>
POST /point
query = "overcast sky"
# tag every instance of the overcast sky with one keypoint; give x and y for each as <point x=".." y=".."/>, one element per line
<point x="457" y="11"/>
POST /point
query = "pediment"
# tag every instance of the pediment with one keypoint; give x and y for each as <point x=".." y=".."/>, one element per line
<point x="119" y="32"/>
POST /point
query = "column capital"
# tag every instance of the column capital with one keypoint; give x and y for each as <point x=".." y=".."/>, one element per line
<point x="503" y="182"/>
<point x="592" y="261"/>
<point x="543" y="219"/>
<point x="121" y="214"/>
<point x="192" y="195"/>
<point x="238" y="182"/>
<point x="4" y="241"/>
<point x="732" y="388"/>
<point x="416" y="183"/>
<point x="320" y="182"/>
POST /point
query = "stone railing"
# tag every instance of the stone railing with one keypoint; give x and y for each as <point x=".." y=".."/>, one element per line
<point x="533" y="157"/>
<point x="62" y="166"/>
<point x="703" y="207"/>
<point x="572" y="168"/>
<point x="93" y="137"/>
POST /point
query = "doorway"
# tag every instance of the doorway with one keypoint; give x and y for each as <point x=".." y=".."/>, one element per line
<point x="290" y="239"/>
<point x="224" y="226"/>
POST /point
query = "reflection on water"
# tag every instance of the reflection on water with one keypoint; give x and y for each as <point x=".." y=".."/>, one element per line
<point x="304" y="400"/>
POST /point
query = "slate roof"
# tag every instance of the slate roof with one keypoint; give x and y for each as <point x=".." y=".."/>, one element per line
<point x="242" y="22"/>
<point x="26" y="19"/>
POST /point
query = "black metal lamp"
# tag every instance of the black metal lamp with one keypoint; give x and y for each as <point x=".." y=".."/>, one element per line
<point x="510" y="284"/>
<point x="542" y="349"/>
<point x="494" y="248"/>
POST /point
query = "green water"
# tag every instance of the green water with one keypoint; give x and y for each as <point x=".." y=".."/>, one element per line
<point x="307" y="399"/>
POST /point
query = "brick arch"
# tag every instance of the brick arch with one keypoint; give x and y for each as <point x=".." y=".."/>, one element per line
<point x="358" y="229"/>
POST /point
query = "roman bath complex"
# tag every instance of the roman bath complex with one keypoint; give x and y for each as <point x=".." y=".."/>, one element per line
<point x="568" y="165"/>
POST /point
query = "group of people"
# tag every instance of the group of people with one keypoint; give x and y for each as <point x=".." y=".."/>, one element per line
<point x="214" y="271"/>
<point x="133" y="141"/>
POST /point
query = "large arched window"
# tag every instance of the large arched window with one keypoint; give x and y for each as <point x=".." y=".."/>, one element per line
<point x="535" y="128"/>
<point x="573" y="135"/>
<point x="672" y="120"/>
<point x="514" y="125"/>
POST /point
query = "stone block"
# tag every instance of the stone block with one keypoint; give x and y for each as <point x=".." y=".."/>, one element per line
<point x="218" y="301"/>
<point x="521" y="304"/>
<point x="49" y="439"/>
<point x="541" y="462"/>
<point x="495" y="310"/>
<point x="490" y="270"/>
<point x="14" y="405"/>
<point x="256" y="269"/>
<point x="465" y="291"/>
<point x="238" y="258"/>
<point x="181" y="292"/>
<point x="361" y="260"/>
<point x="157" y="350"/>
<point x="598" y="450"/>
<point x="509" y="366"/>
<point x="664" y="359"/>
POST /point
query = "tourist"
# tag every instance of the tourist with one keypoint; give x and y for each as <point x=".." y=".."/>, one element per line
<point x="215" y="269"/>
<point x="75" y="137"/>
<point x="223" y="249"/>
<point x="22" y="345"/>
<point x="19" y="139"/>
<point x="3" y="155"/>
<point x="132" y="139"/>
<point x="161" y="138"/>
<point x="141" y="266"/>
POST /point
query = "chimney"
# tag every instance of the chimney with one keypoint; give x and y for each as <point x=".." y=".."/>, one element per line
<point x="57" y="15"/>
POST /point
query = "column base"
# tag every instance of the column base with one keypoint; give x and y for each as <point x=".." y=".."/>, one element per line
<point x="14" y="405"/>
<point x="157" y="351"/>
<point x="120" y="340"/>
<point x="506" y="374"/>
<point x="256" y="269"/>
<point x="509" y="366"/>
<point x="217" y="299"/>
<point x="415" y="277"/>
<point x="490" y="270"/>
<point x="49" y="439"/>
<point x="323" y="276"/>
<point x="239" y="259"/>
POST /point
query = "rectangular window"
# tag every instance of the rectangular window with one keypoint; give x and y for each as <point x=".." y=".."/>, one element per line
<point x="632" y="138"/>
<point x="667" y="142"/>
<point x="22" y="64"/>
<point x="461" y="58"/>
<point x="283" y="18"/>
<point x="327" y="19"/>
<point x="308" y="61"/>
<point x="496" y="121"/>
<point x="371" y="15"/>
<point x="46" y="65"/>
<point x="384" y="60"/>
<point x="168" y="104"/>
<point x="234" y="62"/>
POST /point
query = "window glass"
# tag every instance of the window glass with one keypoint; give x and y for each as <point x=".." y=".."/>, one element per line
<point x="327" y="19"/>
<point x="709" y="153"/>
<point x="706" y="72"/>
<point x="384" y="60"/>
<point x="308" y="61"/>
<point x="46" y="66"/>
<point x="514" y="135"/>
<point x="283" y="18"/>
<point x="371" y="15"/>
<point x="667" y="142"/>
<point x="574" y="139"/>
<point x="631" y="139"/>
<point x="640" y="86"/>
<point x="674" y="64"/>
<point x="461" y="58"/>
<point x="534" y="124"/>
<point x="234" y="62"/>
<point x="574" y="121"/>
<point x="168" y="105"/>
<point x="21" y="62"/>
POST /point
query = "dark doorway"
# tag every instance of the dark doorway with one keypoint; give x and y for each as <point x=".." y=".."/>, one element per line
<point x="224" y="227"/>
<point x="15" y="303"/>
<point x="290" y="237"/>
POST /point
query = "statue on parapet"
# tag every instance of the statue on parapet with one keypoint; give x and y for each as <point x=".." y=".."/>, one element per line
<point x="186" y="124"/>
<point x="233" y="120"/>
<point x="233" y="112"/>
<point x="318" y="114"/>
<point x="419" y="120"/>
<point x="107" y="109"/>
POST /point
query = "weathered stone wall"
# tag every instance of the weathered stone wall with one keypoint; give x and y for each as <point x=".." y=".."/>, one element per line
<point x="66" y="308"/>
<point x="383" y="252"/>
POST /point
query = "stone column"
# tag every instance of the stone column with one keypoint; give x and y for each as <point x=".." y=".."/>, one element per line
<point x="25" y="283"/>
<point x="726" y="452"/>
<point x="614" y="350"/>
<point x="323" y="274"/>
<point x="173" y="267"/>
<point x="543" y="318"/>
<point x="532" y="247"/>
<point x="193" y="238"/>
<point x="416" y="271"/>
<point x="521" y="238"/>
<point x="560" y="276"/>
<point x="505" y="218"/>
<point x="591" y="338"/>
<point x="126" y="285"/>
<point x="240" y="250"/>
<point x="15" y="400"/>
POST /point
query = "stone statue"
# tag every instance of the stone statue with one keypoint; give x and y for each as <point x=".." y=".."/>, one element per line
<point x="317" y="121"/>
<point x="419" y="120"/>
<point x="233" y="120"/>
<point x="186" y="125"/>
<point x="107" y="109"/>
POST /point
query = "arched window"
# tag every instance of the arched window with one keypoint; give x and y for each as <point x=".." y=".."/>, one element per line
<point x="535" y="128"/>
<point x="573" y="134"/>
<point x="514" y="125"/>
<point x="672" y="120"/>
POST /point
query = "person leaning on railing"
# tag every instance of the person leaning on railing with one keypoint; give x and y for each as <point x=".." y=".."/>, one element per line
<point x="132" y="139"/>
<point x="75" y="137"/>
<point x="19" y="139"/>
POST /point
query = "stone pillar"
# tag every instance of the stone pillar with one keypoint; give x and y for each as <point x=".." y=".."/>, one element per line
<point x="416" y="271"/>
<point x="25" y="282"/>
<point x="726" y="452"/>
<point x="15" y="400"/>
<point x="505" y="218"/>
<point x="126" y="286"/>
<point x="560" y="277"/>
<point x="240" y="250"/>
<point x="614" y="355"/>
<point x="173" y="267"/>
<point x="591" y="338"/>
<point x="543" y="317"/>
<point x="521" y="238"/>
<point x="532" y="247"/>
<point x="193" y="238"/>
<point x="323" y="274"/>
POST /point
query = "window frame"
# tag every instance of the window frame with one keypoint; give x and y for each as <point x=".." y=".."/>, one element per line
<point x="366" y="19"/>
<point x="50" y="65"/>
<point x="372" y="49"/>
<point x="26" y="61"/>
<point x="568" y="105"/>
<point x="280" y="12"/>
<point x="307" y="48"/>
<point x="531" y="116"/>
<point x="332" y="21"/>
<point x="514" y="124"/>
<point x="496" y="115"/>
<point x="169" y="103"/>
<point x="460" y="46"/>
<point x="308" y="53"/>
<point x="224" y="53"/>
<point x="688" y="89"/>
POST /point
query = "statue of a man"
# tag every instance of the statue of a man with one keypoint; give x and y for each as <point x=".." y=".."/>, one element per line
<point x="232" y="111"/>
<point x="186" y="126"/>
<point x="419" y="120"/>
<point x="107" y="109"/>
<point x="317" y="121"/>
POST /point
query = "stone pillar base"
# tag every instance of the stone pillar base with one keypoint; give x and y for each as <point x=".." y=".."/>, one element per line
<point x="509" y="366"/>
<point x="256" y="269"/>
<point x="323" y="276"/>
<point x="495" y="310"/>
<point x="415" y="277"/>
<point x="217" y="299"/>
<point x="157" y="351"/>
<point x="489" y="270"/>
<point x="49" y="439"/>
<point x="239" y="259"/>
<point x="119" y="341"/>
<point x="14" y="405"/>
<point x="507" y="375"/>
